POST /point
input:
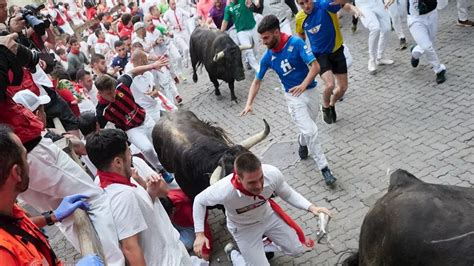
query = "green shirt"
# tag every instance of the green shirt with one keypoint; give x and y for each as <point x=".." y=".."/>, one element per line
<point x="240" y="14"/>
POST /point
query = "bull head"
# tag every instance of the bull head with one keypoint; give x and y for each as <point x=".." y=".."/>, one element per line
<point x="248" y="143"/>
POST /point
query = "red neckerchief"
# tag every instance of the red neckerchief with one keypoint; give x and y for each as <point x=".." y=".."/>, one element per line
<point x="277" y="209"/>
<point x="283" y="40"/>
<point x="100" y="41"/>
<point x="75" y="50"/>
<point x="108" y="178"/>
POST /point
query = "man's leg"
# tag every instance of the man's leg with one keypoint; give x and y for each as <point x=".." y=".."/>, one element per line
<point x="370" y="21"/>
<point x="342" y="83"/>
<point x="423" y="38"/>
<point x="139" y="137"/>
<point x="284" y="236"/>
<point x="249" y="241"/>
<point x="384" y="22"/>
<point x="245" y="38"/>
<point x="393" y="11"/>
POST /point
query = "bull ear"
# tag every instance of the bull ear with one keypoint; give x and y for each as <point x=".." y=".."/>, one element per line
<point x="245" y="47"/>
<point x="219" y="56"/>
<point x="255" y="139"/>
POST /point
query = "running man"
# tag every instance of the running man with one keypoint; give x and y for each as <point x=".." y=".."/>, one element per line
<point x="289" y="57"/>
<point x="319" y="21"/>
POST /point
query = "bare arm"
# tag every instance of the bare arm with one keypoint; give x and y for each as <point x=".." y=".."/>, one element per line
<point x="224" y="25"/>
<point x="40" y="221"/>
<point x="254" y="88"/>
<point x="132" y="251"/>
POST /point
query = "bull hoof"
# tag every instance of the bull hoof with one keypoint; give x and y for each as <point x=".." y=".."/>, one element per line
<point x="234" y="99"/>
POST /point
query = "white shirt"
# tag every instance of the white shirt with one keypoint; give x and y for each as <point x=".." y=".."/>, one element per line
<point x="176" y="22"/>
<point x="91" y="40"/>
<point x="141" y="85"/>
<point x="134" y="213"/>
<point x="102" y="48"/>
<point x="242" y="210"/>
<point x="111" y="39"/>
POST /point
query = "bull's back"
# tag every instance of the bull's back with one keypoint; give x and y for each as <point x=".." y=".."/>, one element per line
<point x="200" y="43"/>
<point x="420" y="224"/>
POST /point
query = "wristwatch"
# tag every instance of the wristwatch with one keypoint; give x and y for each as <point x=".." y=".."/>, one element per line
<point x="47" y="216"/>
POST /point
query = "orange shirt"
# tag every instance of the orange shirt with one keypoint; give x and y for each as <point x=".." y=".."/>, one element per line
<point x="14" y="250"/>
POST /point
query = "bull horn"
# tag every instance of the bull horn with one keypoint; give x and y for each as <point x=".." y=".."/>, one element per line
<point x="216" y="175"/>
<point x="255" y="139"/>
<point x="219" y="56"/>
<point x="245" y="47"/>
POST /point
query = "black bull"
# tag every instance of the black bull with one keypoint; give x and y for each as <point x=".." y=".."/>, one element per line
<point x="195" y="151"/>
<point x="417" y="223"/>
<point x="219" y="54"/>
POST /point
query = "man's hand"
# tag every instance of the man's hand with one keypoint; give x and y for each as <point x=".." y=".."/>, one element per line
<point x="161" y="62"/>
<point x="90" y="260"/>
<point x="297" y="90"/>
<point x="389" y="3"/>
<point x="153" y="93"/>
<point x="116" y="69"/>
<point x="356" y="12"/>
<point x="247" y="109"/>
<point x="9" y="42"/>
<point x="156" y="186"/>
<point x="70" y="204"/>
<point x="200" y="241"/>
<point x="317" y="210"/>
<point x="17" y="23"/>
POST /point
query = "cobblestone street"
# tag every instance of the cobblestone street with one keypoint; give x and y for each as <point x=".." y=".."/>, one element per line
<point x="397" y="118"/>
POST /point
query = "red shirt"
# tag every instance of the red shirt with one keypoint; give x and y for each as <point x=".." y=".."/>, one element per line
<point x="183" y="214"/>
<point x="91" y="13"/>
<point x="126" y="31"/>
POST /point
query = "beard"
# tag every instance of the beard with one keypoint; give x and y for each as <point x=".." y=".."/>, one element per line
<point x="273" y="44"/>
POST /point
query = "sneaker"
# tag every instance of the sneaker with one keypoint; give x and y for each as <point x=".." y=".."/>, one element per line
<point x="465" y="23"/>
<point x="441" y="77"/>
<point x="179" y="100"/>
<point x="403" y="44"/>
<point x="372" y="66"/>
<point x="328" y="177"/>
<point x="303" y="152"/>
<point x="166" y="176"/>
<point x="333" y="113"/>
<point x="384" y="61"/>
<point x="354" y="28"/>
<point x="326" y="115"/>
<point x="228" y="249"/>
<point x="248" y="66"/>
<point x="414" y="62"/>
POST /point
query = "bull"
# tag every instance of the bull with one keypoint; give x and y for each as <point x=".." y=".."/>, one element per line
<point x="198" y="153"/>
<point x="418" y="223"/>
<point x="219" y="54"/>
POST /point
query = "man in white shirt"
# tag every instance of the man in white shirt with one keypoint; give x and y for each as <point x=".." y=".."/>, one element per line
<point x="176" y="19"/>
<point x="145" y="232"/>
<point x="251" y="213"/>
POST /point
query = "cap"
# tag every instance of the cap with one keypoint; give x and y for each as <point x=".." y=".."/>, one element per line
<point x="138" y="25"/>
<point x="30" y="100"/>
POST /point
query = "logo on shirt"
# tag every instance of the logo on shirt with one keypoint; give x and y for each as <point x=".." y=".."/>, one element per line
<point x="120" y="94"/>
<point x="286" y="67"/>
<point x="315" y="29"/>
<point x="307" y="50"/>
<point x="250" y="207"/>
<point x="290" y="48"/>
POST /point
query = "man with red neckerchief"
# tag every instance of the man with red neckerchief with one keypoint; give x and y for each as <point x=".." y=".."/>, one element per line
<point x="251" y="213"/>
<point x="296" y="66"/>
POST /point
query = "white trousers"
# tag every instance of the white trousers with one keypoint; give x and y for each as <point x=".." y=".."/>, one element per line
<point x="53" y="176"/>
<point x="181" y="40"/>
<point x="285" y="27"/>
<point x="249" y="241"/>
<point x="423" y="28"/>
<point x="141" y="137"/>
<point x="462" y="9"/>
<point x="397" y="11"/>
<point x="176" y="59"/>
<point x="166" y="82"/>
<point x="250" y="37"/>
<point x="377" y="21"/>
<point x="304" y="111"/>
